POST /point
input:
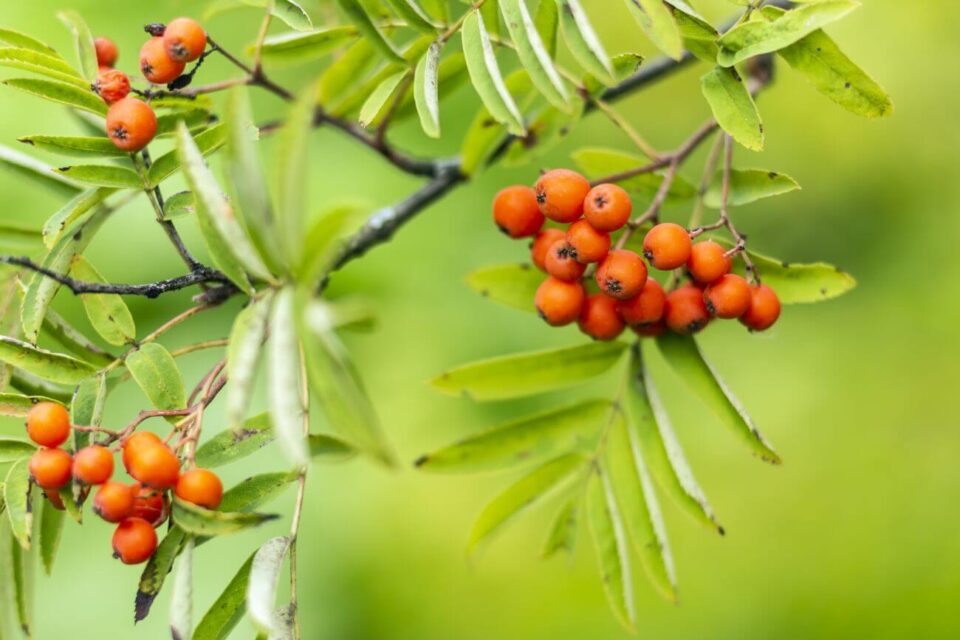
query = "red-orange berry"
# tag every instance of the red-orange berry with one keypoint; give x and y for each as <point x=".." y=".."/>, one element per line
<point x="588" y="244"/>
<point x="184" y="39"/>
<point x="113" y="501"/>
<point x="560" y="194"/>
<point x="646" y="308"/>
<point x="516" y="212"/>
<point x="155" y="466"/>
<point x="93" y="465"/>
<point x="654" y="330"/>
<point x="728" y="297"/>
<point x="136" y="443"/>
<point x="131" y="124"/>
<point x="607" y="207"/>
<point x="112" y="85"/>
<point x="559" y="302"/>
<point x="134" y="541"/>
<point x="200" y="487"/>
<point x="541" y="245"/>
<point x="48" y="424"/>
<point x="764" y="309"/>
<point x="622" y="274"/>
<point x="55" y="500"/>
<point x="708" y="261"/>
<point x="106" y="52"/>
<point x="156" y="64"/>
<point x="599" y="318"/>
<point x="150" y="504"/>
<point x="685" y="311"/>
<point x="560" y="262"/>
<point x="667" y="246"/>
<point x="50" y="468"/>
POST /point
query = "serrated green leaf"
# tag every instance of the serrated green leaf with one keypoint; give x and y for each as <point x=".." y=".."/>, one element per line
<point x="83" y="39"/>
<point x="413" y="15"/>
<point x="426" y="90"/>
<point x="583" y="41"/>
<point x="283" y="379"/>
<point x="562" y="535"/>
<point x="102" y="176"/>
<point x="247" y="336"/>
<point x="198" y="521"/>
<point x="108" y="313"/>
<point x="597" y="162"/>
<point x="55" y="91"/>
<point x="156" y="570"/>
<point x="256" y="491"/>
<point x="42" y="64"/>
<point x="658" y="23"/>
<point x="748" y="185"/>
<point x="156" y="373"/>
<point x="547" y="20"/>
<point x="16" y="497"/>
<point x="378" y="104"/>
<point x="48" y="365"/>
<point x="533" y="53"/>
<point x="75" y="146"/>
<point x="290" y="48"/>
<point x="357" y="13"/>
<point x="169" y="163"/>
<point x="181" y="599"/>
<point x="733" y="106"/>
<point x="32" y="169"/>
<point x="12" y="450"/>
<point x="262" y="585"/>
<point x="513" y="285"/>
<point x="612" y="547"/>
<point x="51" y="530"/>
<point x="485" y="74"/>
<point x="797" y="283"/>
<point x="23" y="41"/>
<point x="228" y="609"/>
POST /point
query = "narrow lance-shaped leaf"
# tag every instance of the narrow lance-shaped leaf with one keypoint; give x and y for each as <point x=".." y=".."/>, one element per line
<point x="41" y="64"/>
<point x="583" y="41"/>
<point x="51" y="530"/>
<point x="47" y="365"/>
<point x="733" y="106"/>
<point x="426" y="90"/>
<point x="156" y="373"/>
<point x="658" y="23"/>
<point x="108" y="313"/>
<point x="23" y="579"/>
<point x="283" y="379"/>
<point x="357" y="14"/>
<point x="547" y="20"/>
<point x="300" y="47"/>
<point x="206" y="141"/>
<point x="61" y="92"/>
<point x="411" y="12"/>
<point x="181" y="600"/>
<point x="533" y="54"/>
<point x="102" y="175"/>
<point x="562" y="535"/>
<point x="156" y="570"/>
<point x="78" y="146"/>
<point x="485" y="135"/>
<point x="234" y="444"/>
<point x="262" y="585"/>
<point x="485" y="74"/>
<point x="346" y="72"/>
<point x="16" y="497"/>
<point x="17" y="405"/>
<point x="287" y="10"/>
<point x="22" y="40"/>
<point x="596" y="162"/>
<point x="612" y="546"/>
<point x="32" y="169"/>
<point x="748" y="185"/>
<point x="380" y="102"/>
<point x="203" y="522"/>
<point x="250" y="494"/>
<point x="69" y="213"/>
<point x="243" y="355"/>
<point x="83" y="39"/>
<point x="228" y="609"/>
<point x="513" y="285"/>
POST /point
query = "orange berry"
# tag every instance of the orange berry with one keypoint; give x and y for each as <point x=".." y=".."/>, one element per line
<point x="113" y="501"/>
<point x="149" y="504"/>
<point x="516" y="212"/>
<point x="541" y="245"/>
<point x="589" y="245"/>
<point x="184" y="39"/>
<point x="50" y="468"/>
<point x="200" y="487"/>
<point x="646" y="308"/>
<point x="106" y="52"/>
<point x="708" y="261"/>
<point x="559" y="302"/>
<point x="685" y="311"/>
<point x="560" y="262"/>
<point x="764" y="309"/>
<point x="131" y="124"/>
<point x="55" y="500"/>
<point x="622" y="274"/>
<point x="728" y="297"/>
<point x="607" y="207"/>
<point x="156" y="64"/>
<point x="93" y="465"/>
<point x="653" y="330"/>
<point x="667" y="246"/>
<point x="560" y="194"/>
<point x="155" y="466"/>
<point x="48" y="424"/>
<point x="135" y="443"/>
<point x="134" y="541"/>
<point x="112" y="85"/>
<point x="599" y="318"/>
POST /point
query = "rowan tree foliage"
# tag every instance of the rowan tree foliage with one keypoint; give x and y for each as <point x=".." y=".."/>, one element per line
<point x="539" y="68"/>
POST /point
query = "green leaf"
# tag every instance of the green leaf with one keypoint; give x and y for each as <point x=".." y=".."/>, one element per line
<point x="562" y="535"/>
<point x="102" y="176"/>
<point x="181" y="600"/>
<point x="520" y="495"/>
<point x="23" y="41"/>
<point x="108" y="313"/>
<point x="247" y="336"/>
<point x="262" y="585"/>
<point x="426" y="90"/>
<point x="179" y="205"/>
<point x="156" y="570"/>
<point x="295" y="47"/>
<point x="86" y="52"/>
<point x="325" y="448"/>
<point x="283" y="379"/>
<point x="733" y="106"/>
<point x="524" y="374"/>
<point x="513" y="285"/>
<point x="357" y="14"/>
<point x="25" y="166"/>
<point x="287" y="10"/>
<point x="12" y="450"/>
<point x="228" y="609"/>
<point x="15" y="405"/>
<point x="748" y="185"/>
<point x="72" y="211"/>
<point x="51" y="530"/>
<point x="597" y="162"/>
<point x="567" y="429"/>
<point x="379" y="103"/>
<point x="583" y="41"/>
<point x="612" y="547"/>
<point x="73" y="340"/>
<point x="48" y="365"/>
<point x="40" y="63"/>
<point x="196" y="119"/>
<point x="324" y="238"/>
<point x="755" y="37"/>
<point x="345" y="73"/>
<point x="206" y="143"/>
<point x="55" y="91"/>
<point x="699" y="36"/>
<point x="413" y="15"/>
<point x="86" y="408"/>
<point x="658" y="23"/>
<point x="291" y="174"/>
<point x="198" y="521"/>
<point x="797" y="283"/>
<point x="547" y="20"/>
<point x="23" y="561"/>
<point x="485" y="74"/>
<point x="156" y="373"/>
<point x="683" y="355"/>
<point x="231" y="445"/>
<point x="485" y="135"/>
<point x="16" y="496"/>
<point x="533" y="54"/>
<point x="75" y="146"/>
<point x="256" y="491"/>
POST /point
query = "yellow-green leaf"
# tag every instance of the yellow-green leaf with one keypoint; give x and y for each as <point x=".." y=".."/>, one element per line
<point x="733" y="106"/>
<point x="513" y="285"/>
<point x="108" y="313"/>
<point x="485" y="74"/>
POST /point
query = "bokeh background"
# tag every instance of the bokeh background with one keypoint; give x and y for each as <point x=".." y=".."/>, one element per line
<point x="856" y="535"/>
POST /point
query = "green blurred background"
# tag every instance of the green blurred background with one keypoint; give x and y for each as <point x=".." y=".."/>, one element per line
<point x="856" y="535"/>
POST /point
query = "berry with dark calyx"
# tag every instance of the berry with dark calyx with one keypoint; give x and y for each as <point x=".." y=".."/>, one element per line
<point x="50" y="468"/>
<point x="200" y="487"/>
<point x="654" y="330"/>
<point x="559" y="302"/>
<point x="107" y="53"/>
<point x="541" y="245"/>
<point x="645" y="308"/>
<point x="667" y="246"/>
<point x="93" y="465"/>
<point x="155" y="466"/>
<point x="134" y="541"/>
<point x="155" y="29"/>
<point x="150" y="504"/>
<point x="184" y="39"/>
<point x="561" y="263"/>
<point x="588" y="244"/>
<point x="622" y="274"/>
<point x="156" y="64"/>
<point x="112" y="85"/>
<point x="728" y="297"/>
<point x="708" y="261"/>
<point x="136" y="443"/>
<point x="113" y="501"/>
<point x="516" y="212"/>
<point x="131" y="124"/>
<point x="685" y="312"/>
<point x="764" y="309"/>
<point x="607" y="207"/>
<point x="599" y="318"/>
<point x="560" y="194"/>
<point x="48" y="424"/>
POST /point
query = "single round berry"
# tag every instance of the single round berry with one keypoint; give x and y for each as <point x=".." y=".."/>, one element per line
<point x="156" y="64"/>
<point x="516" y="212"/>
<point x="93" y="465"/>
<point x="184" y="39"/>
<point x="113" y="501"/>
<point x="136" y="443"/>
<point x="155" y="466"/>
<point x="654" y="330"/>
<point x="55" y="500"/>
<point x="559" y="302"/>
<point x="561" y="263"/>
<point x="112" y="85"/>
<point x="685" y="311"/>
<point x="728" y="297"/>
<point x="667" y="246"/>
<point x="589" y="245"/>
<point x="48" y="424"/>
<point x="764" y="309"/>
<point x="106" y="52"/>
<point x="131" y="124"/>
<point x="134" y="541"/>
<point x="607" y="207"/>
<point x="599" y="318"/>
<point x="646" y="308"/>
<point x="150" y="504"/>
<point x="708" y="261"/>
<point x="541" y="245"/>
<point x="50" y="468"/>
<point x="560" y="194"/>
<point x="200" y="487"/>
<point x="622" y="274"/>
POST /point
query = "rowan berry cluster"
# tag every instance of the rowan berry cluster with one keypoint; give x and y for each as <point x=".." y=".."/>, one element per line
<point x="621" y="294"/>
<point x="131" y="122"/>
<point x="137" y="508"/>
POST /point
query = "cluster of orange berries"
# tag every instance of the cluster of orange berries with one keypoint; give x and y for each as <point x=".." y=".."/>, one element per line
<point x="132" y="123"/>
<point x="137" y="509"/>
<point x="626" y="297"/>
